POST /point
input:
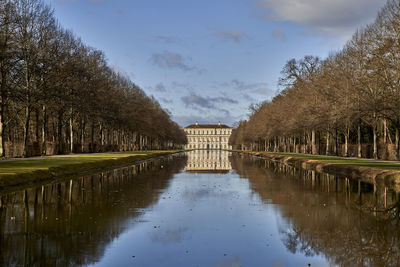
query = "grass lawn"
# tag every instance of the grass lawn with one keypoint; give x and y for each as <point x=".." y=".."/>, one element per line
<point x="29" y="170"/>
<point x="379" y="164"/>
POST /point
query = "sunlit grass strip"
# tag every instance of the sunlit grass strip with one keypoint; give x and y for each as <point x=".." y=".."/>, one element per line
<point x="386" y="165"/>
<point x="20" y="172"/>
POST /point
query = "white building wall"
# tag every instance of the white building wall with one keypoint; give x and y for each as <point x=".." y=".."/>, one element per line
<point x="208" y="138"/>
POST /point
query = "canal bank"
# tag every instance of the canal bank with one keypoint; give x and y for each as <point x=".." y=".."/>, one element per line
<point x="379" y="171"/>
<point x="23" y="172"/>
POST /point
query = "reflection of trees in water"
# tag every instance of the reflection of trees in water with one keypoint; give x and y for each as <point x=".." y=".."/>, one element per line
<point x="350" y="222"/>
<point x="71" y="223"/>
<point x="392" y="212"/>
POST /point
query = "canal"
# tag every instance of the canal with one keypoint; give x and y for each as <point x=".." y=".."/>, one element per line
<point x="202" y="208"/>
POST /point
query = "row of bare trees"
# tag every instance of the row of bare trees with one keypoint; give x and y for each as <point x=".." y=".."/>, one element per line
<point x="59" y="95"/>
<point x="346" y="104"/>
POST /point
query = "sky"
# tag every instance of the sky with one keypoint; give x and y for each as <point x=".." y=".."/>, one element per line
<point x="209" y="60"/>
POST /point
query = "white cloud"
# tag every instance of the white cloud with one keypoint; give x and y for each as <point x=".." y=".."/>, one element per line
<point x="328" y="17"/>
<point x="160" y="87"/>
<point x="121" y="71"/>
<point x="171" y="60"/>
<point x="166" y="100"/>
<point x="264" y="91"/>
<point x="232" y="35"/>
<point x="239" y="85"/>
<point x="196" y="101"/>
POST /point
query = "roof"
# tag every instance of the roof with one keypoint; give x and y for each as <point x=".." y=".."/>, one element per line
<point x="203" y="126"/>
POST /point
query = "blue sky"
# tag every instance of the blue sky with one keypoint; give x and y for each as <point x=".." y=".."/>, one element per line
<point x="208" y="60"/>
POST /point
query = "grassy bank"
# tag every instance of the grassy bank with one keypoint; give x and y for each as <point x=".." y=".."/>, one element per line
<point x="367" y="169"/>
<point x="28" y="171"/>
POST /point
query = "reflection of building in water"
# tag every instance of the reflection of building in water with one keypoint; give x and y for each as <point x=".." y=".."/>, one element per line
<point x="208" y="161"/>
<point x="208" y="136"/>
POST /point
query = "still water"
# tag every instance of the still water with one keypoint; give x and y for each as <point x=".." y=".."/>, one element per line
<point x="202" y="209"/>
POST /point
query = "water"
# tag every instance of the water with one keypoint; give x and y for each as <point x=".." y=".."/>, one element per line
<point x="202" y="209"/>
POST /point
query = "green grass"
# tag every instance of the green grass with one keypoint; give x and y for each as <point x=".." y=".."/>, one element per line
<point x="19" y="172"/>
<point x="379" y="164"/>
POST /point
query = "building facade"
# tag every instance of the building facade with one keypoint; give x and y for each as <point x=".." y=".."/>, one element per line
<point x="208" y="136"/>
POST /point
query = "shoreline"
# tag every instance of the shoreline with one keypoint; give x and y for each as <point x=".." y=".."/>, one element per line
<point x="383" y="172"/>
<point x="10" y="181"/>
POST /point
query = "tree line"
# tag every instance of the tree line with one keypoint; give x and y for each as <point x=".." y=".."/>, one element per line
<point x="346" y="104"/>
<point x="59" y="95"/>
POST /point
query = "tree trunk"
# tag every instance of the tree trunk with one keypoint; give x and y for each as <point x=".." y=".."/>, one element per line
<point x="37" y="136"/>
<point x="359" y="141"/>
<point x="113" y="140"/>
<point x="92" y="139"/>
<point x="26" y="130"/>
<point x="134" y="137"/>
<point x="101" y="137"/>
<point x="294" y="144"/>
<point x="119" y="140"/>
<point x="397" y="143"/>
<point x="44" y="131"/>
<point x="2" y="141"/>
<point x="3" y="95"/>
<point x="384" y="131"/>
<point x="346" y="138"/>
<point x="278" y="140"/>
<point x="327" y="143"/>
<point x="375" y="151"/>
<point x="83" y="126"/>
<point x="313" y="146"/>
<point x="71" y="133"/>
<point x="336" y="143"/>
<point x="60" y="139"/>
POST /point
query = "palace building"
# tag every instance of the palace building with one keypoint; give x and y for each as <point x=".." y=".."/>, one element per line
<point x="208" y="136"/>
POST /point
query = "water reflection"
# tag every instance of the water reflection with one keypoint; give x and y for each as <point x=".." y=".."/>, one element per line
<point x="352" y="223"/>
<point x="222" y="210"/>
<point x="71" y="223"/>
<point x="213" y="161"/>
